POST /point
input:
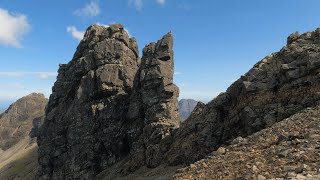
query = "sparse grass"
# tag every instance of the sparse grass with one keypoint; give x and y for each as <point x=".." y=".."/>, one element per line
<point x="22" y="168"/>
<point x="19" y="162"/>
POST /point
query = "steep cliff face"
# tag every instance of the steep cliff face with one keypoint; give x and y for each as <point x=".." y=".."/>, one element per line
<point x="16" y="121"/>
<point x="108" y="104"/>
<point x="277" y="87"/>
<point x="109" y="110"/>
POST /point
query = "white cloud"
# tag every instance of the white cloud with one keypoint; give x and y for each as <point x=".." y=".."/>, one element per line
<point x="40" y="75"/>
<point x="91" y="9"/>
<point x="161" y="2"/>
<point x="12" y="28"/>
<point x="137" y="4"/>
<point x="75" y="32"/>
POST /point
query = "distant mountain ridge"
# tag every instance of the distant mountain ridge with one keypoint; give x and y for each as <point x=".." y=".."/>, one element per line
<point x="16" y="121"/>
<point x="186" y="107"/>
<point x="113" y="114"/>
<point x="18" y="151"/>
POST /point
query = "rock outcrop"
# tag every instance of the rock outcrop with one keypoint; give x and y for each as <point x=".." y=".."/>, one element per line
<point x="16" y="121"/>
<point x="108" y="105"/>
<point x="186" y="107"/>
<point x="111" y="110"/>
<point x="287" y="150"/>
<point x="277" y="87"/>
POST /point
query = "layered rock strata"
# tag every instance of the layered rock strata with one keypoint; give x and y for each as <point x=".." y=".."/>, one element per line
<point x="277" y="87"/>
<point x="108" y="105"/>
<point x="109" y="108"/>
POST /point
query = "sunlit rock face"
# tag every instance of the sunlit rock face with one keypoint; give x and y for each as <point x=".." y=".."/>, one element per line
<point x="17" y="121"/>
<point x="108" y="105"/>
<point x="277" y="87"/>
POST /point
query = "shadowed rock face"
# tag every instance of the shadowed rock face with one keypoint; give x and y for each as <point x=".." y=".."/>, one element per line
<point x="277" y="87"/>
<point x="108" y="104"/>
<point x="16" y="121"/>
<point x="109" y="108"/>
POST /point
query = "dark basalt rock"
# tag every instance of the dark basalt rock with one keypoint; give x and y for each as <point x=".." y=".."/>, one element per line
<point x="111" y="109"/>
<point x="277" y="87"/>
<point x="108" y="105"/>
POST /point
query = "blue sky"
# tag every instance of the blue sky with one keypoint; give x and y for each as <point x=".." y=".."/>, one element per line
<point x="216" y="41"/>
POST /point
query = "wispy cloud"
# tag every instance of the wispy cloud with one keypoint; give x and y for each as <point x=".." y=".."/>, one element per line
<point x="13" y="27"/>
<point x="177" y="73"/>
<point x="75" y="32"/>
<point x="185" y="6"/>
<point x="91" y="9"/>
<point x="40" y="75"/>
<point x="136" y="3"/>
<point x="161" y="2"/>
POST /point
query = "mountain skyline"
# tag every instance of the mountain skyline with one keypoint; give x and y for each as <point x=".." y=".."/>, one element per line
<point x="215" y="42"/>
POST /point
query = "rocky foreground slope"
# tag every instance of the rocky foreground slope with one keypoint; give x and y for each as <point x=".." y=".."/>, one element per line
<point x="277" y="87"/>
<point x="114" y="114"/>
<point x="290" y="149"/>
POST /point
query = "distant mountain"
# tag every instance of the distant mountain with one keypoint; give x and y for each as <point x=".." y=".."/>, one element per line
<point x="17" y="121"/>
<point x="18" y="127"/>
<point x="186" y="107"/>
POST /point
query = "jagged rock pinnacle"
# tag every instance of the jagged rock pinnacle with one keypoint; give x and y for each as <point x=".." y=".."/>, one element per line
<point x="107" y="105"/>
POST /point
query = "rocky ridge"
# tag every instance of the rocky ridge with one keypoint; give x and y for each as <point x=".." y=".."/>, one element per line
<point x="18" y="159"/>
<point x="289" y="149"/>
<point x="111" y="110"/>
<point x="16" y="121"/>
<point x="108" y="105"/>
<point x="277" y="87"/>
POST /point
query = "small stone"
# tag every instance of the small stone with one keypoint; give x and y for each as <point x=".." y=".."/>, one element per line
<point x="300" y="177"/>
<point x="237" y="140"/>
<point x="221" y="150"/>
<point x="192" y="166"/>
<point x="289" y="168"/>
<point x="204" y="165"/>
<point x="296" y="141"/>
<point x="305" y="167"/>
<point x="255" y="169"/>
<point x="299" y="170"/>
<point x="260" y="177"/>
<point x="282" y="138"/>
<point x="291" y="174"/>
